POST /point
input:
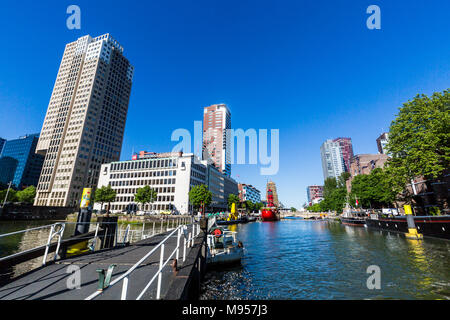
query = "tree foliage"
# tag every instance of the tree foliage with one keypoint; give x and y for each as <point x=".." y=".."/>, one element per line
<point x="419" y="139"/>
<point x="145" y="195"/>
<point x="335" y="194"/>
<point x="199" y="195"/>
<point x="27" y="195"/>
<point x="104" y="194"/>
<point x="233" y="198"/>
<point x="374" y="190"/>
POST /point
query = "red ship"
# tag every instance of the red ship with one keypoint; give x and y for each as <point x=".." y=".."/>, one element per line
<point x="270" y="213"/>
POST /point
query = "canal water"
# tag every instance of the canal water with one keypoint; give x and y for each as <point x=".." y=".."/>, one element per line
<point x="301" y="259"/>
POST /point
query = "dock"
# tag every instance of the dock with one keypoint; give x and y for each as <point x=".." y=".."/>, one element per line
<point x="52" y="281"/>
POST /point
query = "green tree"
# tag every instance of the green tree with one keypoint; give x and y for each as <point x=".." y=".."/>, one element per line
<point x="233" y="198"/>
<point x="105" y="194"/>
<point x="315" y="208"/>
<point x="145" y="195"/>
<point x="419" y="139"/>
<point x="335" y="193"/>
<point x="293" y="209"/>
<point x="250" y="206"/>
<point x="27" y="195"/>
<point x="200" y="195"/>
<point x="12" y="195"/>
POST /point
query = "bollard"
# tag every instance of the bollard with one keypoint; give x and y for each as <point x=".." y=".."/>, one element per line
<point x="412" y="230"/>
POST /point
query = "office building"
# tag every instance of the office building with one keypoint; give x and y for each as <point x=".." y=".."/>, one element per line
<point x="171" y="174"/>
<point x="2" y="143"/>
<point x="346" y="150"/>
<point x="216" y="138"/>
<point x="247" y="192"/>
<point x="19" y="163"/>
<point x="85" y="119"/>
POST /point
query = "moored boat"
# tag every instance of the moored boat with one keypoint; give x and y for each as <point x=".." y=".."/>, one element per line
<point x="429" y="226"/>
<point x="223" y="248"/>
<point x="270" y="213"/>
<point x="353" y="218"/>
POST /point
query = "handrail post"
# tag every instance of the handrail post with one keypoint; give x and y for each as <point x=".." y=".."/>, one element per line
<point x="184" y="249"/>
<point x="48" y="244"/>
<point x="158" y="291"/>
<point x="162" y="222"/>
<point x="143" y="228"/>
<point x="153" y="231"/>
<point x="124" y="289"/>
<point x="60" y="234"/>
<point x="178" y="244"/>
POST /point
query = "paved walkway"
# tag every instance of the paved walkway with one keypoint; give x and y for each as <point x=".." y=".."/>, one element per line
<point x="50" y="282"/>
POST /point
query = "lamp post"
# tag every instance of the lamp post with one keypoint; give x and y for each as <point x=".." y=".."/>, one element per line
<point x="7" y="192"/>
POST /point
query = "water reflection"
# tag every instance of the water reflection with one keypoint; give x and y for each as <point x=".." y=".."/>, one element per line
<point x="300" y="259"/>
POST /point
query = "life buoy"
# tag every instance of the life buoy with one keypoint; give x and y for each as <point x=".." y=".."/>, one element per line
<point x="217" y="232"/>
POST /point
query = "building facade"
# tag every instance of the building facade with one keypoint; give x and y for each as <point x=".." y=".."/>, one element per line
<point x="2" y="143"/>
<point x="364" y="164"/>
<point x="247" y="192"/>
<point x="171" y="174"/>
<point x="19" y="163"/>
<point x="85" y="119"/>
<point x="314" y="194"/>
<point x="216" y="137"/>
<point x="346" y="147"/>
<point x="332" y="161"/>
<point x="382" y="142"/>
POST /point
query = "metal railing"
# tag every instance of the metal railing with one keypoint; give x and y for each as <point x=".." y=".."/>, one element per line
<point x="188" y="242"/>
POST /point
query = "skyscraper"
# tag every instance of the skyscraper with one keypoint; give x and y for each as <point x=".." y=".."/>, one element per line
<point x="346" y="150"/>
<point x="85" y="119"/>
<point x="216" y="139"/>
<point x="19" y="163"/>
<point x="332" y="160"/>
<point x="2" y="143"/>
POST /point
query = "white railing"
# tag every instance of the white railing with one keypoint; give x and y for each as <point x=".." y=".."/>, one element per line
<point x="56" y="230"/>
<point x="181" y="230"/>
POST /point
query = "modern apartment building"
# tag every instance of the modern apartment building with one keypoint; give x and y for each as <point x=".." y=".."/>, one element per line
<point x="85" y="119"/>
<point x="216" y="138"/>
<point x="247" y="192"/>
<point x="314" y="193"/>
<point x="332" y="160"/>
<point x="346" y="150"/>
<point x="271" y="185"/>
<point x="171" y="174"/>
<point x="19" y="163"/>
<point x="382" y="142"/>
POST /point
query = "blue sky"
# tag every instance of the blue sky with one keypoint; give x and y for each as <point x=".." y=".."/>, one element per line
<point x="309" y="68"/>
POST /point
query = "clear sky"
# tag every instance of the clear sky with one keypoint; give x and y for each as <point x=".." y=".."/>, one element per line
<point x="311" y="69"/>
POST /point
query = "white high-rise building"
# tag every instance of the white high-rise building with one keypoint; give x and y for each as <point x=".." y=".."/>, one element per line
<point x="332" y="159"/>
<point x="216" y="137"/>
<point x="85" y="119"/>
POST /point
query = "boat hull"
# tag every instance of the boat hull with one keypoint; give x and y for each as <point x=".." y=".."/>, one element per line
<point x="269" y="215"/>
<point x="429" y="226"/>
<point x="354" y="222"/>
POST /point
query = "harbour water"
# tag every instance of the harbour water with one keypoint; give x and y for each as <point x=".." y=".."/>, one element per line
<point x="300" y="259"/>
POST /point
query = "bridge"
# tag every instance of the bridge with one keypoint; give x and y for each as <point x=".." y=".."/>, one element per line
<point x="167" y="265"/>
<point x="305" y="214"/>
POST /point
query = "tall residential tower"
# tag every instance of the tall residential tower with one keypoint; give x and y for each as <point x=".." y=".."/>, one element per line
<point x="216" y="139"/>
<point x="85" y="119"/>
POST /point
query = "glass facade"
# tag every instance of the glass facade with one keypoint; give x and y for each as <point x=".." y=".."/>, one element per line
<point x="19" y="163"/>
